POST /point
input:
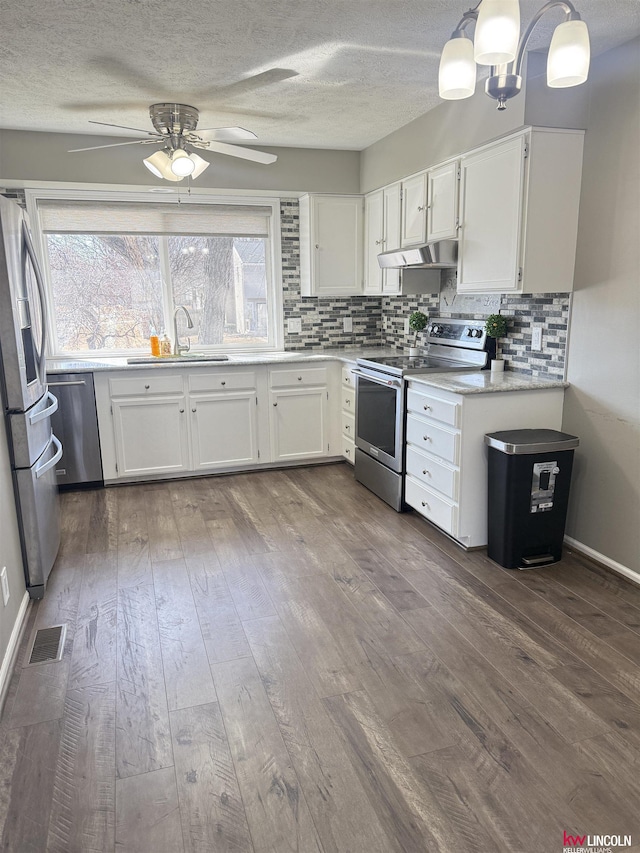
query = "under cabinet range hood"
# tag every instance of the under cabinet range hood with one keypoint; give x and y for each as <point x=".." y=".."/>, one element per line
<point x="440" y="255"/>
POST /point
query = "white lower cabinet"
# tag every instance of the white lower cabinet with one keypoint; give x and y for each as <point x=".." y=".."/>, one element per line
<point x="166" y="422"/>
<point x="446" y="457"/>
<point x="348" y="413"/>
<point x="150" y="435"/>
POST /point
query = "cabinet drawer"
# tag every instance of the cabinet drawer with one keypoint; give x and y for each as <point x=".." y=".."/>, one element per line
<point x="433" y="407"/>
<point x="434" y="439"/>
<point x="348" y="378"/>
<point x="348" y="400"/>
<point x="223" y="381"/>
<point x="348" y="450"/>
<point x="298" y="376"/>
<point x="432" y="506"/>
<point x="348" y="425"/>
<point x="436" y="475"/>
<point x="130" y="386"/>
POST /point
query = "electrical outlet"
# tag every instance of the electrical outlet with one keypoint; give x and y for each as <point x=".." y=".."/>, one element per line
<point x="294" y="325"/>
<point x="4" y="580"/>
<point x="536" y="338"/>
<point x="347" y="324"/>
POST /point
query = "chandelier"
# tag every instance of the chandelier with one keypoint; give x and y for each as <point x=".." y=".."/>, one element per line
<point x="498" y="44"/>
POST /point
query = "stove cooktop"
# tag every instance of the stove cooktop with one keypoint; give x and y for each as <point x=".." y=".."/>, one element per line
<point x="404" y="365"/>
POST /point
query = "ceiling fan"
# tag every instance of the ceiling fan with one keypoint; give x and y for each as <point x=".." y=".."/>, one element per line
<point x="175" y="130"/>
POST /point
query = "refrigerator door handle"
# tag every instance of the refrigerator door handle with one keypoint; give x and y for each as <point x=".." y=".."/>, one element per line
<point x="45" y="413"/>
<point x="43" y="314"/>
<point x="42" y="469"/>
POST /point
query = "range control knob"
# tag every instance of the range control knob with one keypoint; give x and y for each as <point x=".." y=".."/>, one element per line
<point x="437" y="330"/>
<point x="475" y="333"/>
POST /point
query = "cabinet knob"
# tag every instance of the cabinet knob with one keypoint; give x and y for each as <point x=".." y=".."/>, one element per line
<point x="275" y="404"/>
<point x="299" y="378"/>
<point x="378" y="242"/>
<point x="427" y="408"/>
<point x="421" y="207"/>
<point x="147" y="387"/>
<point x="223" y="383"/>
<point x="426" y="438"/>
<point x="425" y="504"/>
<point x="181" y="411"/>
<point x="425" y="472"/>
<point x="347" y="426"/>
<point x="317" y="245"/>
<point x="348" y="402"/>
<point x="194" y="410"/>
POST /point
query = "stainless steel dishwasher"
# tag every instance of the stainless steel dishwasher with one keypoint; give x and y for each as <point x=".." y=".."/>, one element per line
<point x="76" y="425"/>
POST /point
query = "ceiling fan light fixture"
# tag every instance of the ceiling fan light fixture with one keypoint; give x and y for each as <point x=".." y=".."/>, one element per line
<point x="181" y="163"/>
<point x="159" y="164"/>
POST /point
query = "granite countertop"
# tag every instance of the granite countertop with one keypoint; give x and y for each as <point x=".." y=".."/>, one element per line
<point x="485" y="382"/>
<point x="58" y="365"/>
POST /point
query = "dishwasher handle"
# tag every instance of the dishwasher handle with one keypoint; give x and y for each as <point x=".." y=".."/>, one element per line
<point x="74" y="382"/>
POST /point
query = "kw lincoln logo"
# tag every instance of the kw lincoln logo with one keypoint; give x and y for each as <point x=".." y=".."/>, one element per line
<point x="594" y="843"/>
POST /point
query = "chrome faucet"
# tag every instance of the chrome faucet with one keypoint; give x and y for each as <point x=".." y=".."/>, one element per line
<point x="178" y="349"/>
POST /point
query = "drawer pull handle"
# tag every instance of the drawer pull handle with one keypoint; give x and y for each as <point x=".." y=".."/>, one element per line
<point x="427" y="408"/>
<point x="426" y="438"/>
<point x="426" y="505"/>
<point x="147" y="387"/>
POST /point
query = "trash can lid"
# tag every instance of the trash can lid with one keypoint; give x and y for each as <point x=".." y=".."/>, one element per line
<point x="517" y="441"/>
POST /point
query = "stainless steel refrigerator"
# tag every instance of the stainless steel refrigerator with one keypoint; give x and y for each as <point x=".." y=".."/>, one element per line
<point x="27" y="402"/>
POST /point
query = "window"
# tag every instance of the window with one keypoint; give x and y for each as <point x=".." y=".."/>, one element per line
<point x="116" y="269"/>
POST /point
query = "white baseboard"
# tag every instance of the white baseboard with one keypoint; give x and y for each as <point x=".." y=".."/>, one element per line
<point x="600" y="558"/>
<point x="12" y="649"/>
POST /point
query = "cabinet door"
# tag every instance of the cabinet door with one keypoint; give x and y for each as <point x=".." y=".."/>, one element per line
<point x="414" y="210"/>
<point x="373" y="241"/>
<point x="298" y="421"/>
<point x="337" y="245"/>
<point x="491" y="209"/>
<point x="223" y="429"/>
<point x="442" y="204"/>
<point x="150" y="435"/>
<point x="392" y="208"/>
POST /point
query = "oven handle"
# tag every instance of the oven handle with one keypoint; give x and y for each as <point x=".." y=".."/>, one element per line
<point x="395" y="382"/>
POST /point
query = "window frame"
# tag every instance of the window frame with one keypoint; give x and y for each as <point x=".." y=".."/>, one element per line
<point x="275" y="311"/>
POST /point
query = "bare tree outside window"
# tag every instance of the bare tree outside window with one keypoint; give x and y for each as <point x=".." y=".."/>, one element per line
<point x="108" y="289"/>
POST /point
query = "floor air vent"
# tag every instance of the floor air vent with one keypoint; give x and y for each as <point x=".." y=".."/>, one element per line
<point x="47" y="644"/>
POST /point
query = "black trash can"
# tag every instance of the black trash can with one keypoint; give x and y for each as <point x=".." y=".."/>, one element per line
<point x="529" y="479"/>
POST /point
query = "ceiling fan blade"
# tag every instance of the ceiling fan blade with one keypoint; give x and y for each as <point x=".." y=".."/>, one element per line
<point x="132" y="76"/>
<point x="231" y="134"/>
<point x="112" y="145"/>
<point x="112" y="106"/>
<point x="124" y="127"/>
<point x="249" y="84"/>
<point x="243" y="153"/>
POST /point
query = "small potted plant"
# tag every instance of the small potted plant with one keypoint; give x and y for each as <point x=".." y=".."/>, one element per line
<point x="496" y="328"/>
<point x="417" y="322"/>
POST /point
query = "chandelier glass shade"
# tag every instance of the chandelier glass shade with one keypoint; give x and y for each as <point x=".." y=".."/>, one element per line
<point x="497" y="32"/>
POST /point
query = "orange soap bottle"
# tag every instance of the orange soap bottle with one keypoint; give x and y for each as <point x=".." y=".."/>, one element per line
<point x="154" y="342"/>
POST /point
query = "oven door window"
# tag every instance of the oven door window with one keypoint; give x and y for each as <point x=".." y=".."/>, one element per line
<point x="377" y="415"/>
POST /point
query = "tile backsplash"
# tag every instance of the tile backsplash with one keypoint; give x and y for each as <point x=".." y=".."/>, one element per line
<point x="380" y="321"/>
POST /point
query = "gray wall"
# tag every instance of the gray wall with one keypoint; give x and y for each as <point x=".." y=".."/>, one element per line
<point x="602" y="406"/>
<point x="29" y="156"/>
<point x="10" y="555"/>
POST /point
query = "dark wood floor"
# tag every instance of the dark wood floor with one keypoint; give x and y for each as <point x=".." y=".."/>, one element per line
<point x="279" y="662"/>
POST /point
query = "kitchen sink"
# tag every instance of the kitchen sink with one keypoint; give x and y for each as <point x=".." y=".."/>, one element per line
<point x="177" y="359"/>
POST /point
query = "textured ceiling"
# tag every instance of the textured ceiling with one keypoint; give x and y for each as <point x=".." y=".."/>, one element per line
<point x="362" y="67"/>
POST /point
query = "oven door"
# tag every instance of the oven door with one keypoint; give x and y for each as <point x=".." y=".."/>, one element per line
<point x="379" y="417"/>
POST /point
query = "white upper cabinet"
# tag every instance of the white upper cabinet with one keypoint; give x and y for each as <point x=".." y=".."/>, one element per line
<point x="519" y="200"/>
<point x="442" y="201"/>
<point x="382" y="234"/>
<point x="414" y="210"/>
<point x="331" y="245"/>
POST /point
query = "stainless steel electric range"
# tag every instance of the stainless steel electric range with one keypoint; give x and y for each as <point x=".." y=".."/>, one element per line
<point x="452" y="345"/>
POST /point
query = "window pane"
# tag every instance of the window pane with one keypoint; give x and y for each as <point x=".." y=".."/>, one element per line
<point x="107" y="290"/>
<point x="222" y="281"/>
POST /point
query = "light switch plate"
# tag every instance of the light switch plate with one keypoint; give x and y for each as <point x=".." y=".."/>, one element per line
<point x="294" y="325"/>
<point x="347" y="324"/>
<point x="536" y="338"/>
